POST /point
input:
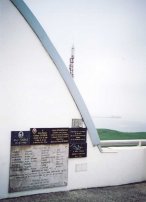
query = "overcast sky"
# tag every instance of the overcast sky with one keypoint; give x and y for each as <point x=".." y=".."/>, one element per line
<point x="110" y="50"/>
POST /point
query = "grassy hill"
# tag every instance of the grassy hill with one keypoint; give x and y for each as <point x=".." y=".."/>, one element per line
<point x="107" y="134"/>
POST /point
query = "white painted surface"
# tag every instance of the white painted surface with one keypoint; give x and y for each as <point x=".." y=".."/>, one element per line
<point x="32" y="94"/>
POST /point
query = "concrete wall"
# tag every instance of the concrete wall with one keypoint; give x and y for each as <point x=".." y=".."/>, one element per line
<point x="32" y="94"/>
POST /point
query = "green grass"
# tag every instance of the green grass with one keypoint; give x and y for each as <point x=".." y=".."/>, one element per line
<point x="107" y="134"/>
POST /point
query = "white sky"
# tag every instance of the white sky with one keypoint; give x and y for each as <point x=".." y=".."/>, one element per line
<point x="110" y="50"/>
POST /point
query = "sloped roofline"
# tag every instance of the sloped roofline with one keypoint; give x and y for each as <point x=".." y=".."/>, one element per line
<point x="57" y="60"/>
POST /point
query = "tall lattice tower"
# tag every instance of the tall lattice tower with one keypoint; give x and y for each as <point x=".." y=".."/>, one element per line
<point x="71" y="65"/>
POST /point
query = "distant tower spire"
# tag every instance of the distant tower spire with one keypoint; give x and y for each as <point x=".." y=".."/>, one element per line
<point x="71" y="65"/>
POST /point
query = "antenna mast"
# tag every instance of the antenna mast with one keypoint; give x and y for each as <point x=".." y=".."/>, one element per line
<point x="71" y="65"/>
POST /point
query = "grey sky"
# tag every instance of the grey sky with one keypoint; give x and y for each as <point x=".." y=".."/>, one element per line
<point x="110" y="50"/>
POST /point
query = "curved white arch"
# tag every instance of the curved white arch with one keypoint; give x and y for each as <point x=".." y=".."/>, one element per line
<point x="47" y="44"/>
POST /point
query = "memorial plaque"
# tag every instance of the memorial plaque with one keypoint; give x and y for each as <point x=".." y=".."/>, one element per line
<point x="59" y="135"/>
<point x="40" y="136"/>
<point x="38" y="167"/>
<point x="77" y="123"/>
<point x="77" y="150"/>
<point x="39" y="157"/>
<point x="20" y="138"/>
<point x="78" y="135"/>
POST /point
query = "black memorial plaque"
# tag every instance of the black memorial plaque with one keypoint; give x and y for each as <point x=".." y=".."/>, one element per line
<point x="78" y="135"/>
<point x="19" y="138"/>
<point x="40" y="136"/>
<point x="77" y="150"/>
<point x="49" y="136"/>
<point x="59" y="135"/>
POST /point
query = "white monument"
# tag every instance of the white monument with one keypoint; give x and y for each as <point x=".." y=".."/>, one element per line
<point x="40" y="152"/>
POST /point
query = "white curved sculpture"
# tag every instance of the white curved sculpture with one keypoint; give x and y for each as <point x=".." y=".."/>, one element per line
<point x="39" y="31"/>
